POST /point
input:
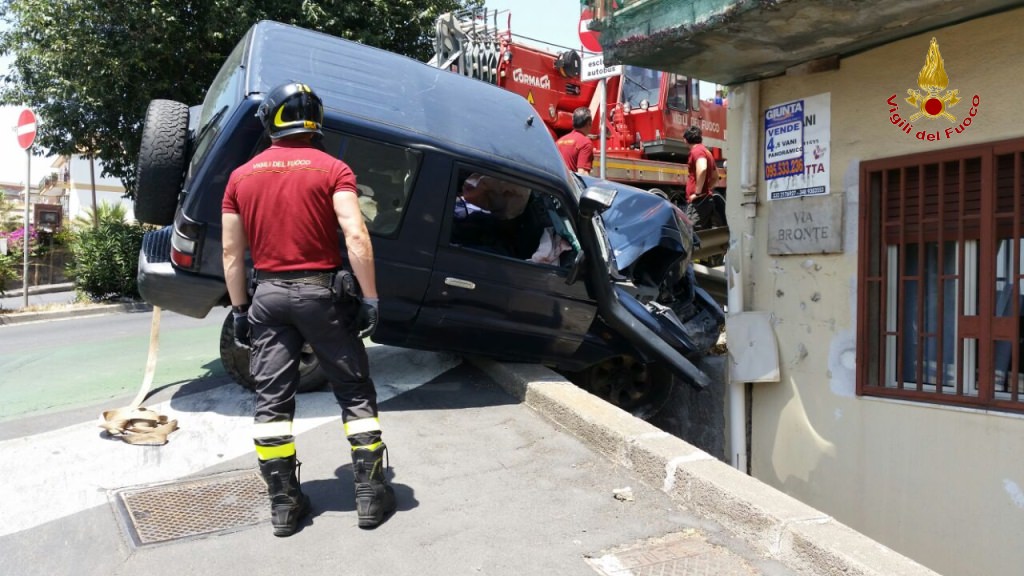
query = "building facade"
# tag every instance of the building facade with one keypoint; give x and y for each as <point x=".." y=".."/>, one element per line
<point x="73" y="182"/>
<point x="876" y="209"/>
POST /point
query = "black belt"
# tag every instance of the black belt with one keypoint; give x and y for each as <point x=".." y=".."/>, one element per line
<point x="323" y="278"/>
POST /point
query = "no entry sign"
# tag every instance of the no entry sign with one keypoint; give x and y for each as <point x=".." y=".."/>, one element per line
<point x="26" y="129"/>
<point x="589" y="38"/>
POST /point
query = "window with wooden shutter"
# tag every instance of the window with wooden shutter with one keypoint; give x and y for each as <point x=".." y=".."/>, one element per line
<point x="942" y="290"/>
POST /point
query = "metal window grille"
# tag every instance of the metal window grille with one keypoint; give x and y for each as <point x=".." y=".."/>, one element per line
<point x="941" y="261"/>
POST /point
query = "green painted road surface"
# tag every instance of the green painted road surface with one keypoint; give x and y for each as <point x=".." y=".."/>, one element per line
<point x="47" y="377"/>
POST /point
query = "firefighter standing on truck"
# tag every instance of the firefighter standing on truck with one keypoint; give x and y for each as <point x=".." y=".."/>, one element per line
<point x="286" y="204"/>
<point x="703" y="208"/>
<point x="576" y="148"/>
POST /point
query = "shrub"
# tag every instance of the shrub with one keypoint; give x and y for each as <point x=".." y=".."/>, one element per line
<point x="12" y="262"/>
<point x="105" y="212"/>
<point x="106" y="260"/>
<point x="10" y="268"/>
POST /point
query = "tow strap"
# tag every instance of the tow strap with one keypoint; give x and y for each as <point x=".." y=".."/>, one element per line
<point x="134" y="423"/>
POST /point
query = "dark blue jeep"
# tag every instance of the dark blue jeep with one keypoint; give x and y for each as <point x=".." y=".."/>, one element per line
<point x="484" y="242"/>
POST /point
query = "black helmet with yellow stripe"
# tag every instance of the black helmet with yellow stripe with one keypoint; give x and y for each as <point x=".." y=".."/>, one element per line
<point x="291" y="108"/>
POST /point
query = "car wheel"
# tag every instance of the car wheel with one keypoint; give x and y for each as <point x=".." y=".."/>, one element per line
<point x="161" y="167"/>
<point x="659" y="192"/>
<point x="638" y="388"/>
<point x="677" y="196"/>
<point x="235" y="359"/>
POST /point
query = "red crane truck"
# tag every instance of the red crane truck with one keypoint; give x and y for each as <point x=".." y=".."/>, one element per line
<point x="647" y="110"/>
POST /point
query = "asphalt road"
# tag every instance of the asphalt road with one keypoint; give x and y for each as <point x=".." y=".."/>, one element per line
<point x="68" y="363"/>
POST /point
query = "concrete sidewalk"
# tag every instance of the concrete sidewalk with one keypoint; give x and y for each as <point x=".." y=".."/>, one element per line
<point x="56" y="301"/>
<point x="765" y="530"/>
<point x="38" y="296"/>
<point x="778" y="526"/>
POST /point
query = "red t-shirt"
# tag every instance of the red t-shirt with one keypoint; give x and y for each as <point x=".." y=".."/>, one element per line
<point x="696" y="152"/>
<point x="285" y="197"/>
<point x="577" y="151"/>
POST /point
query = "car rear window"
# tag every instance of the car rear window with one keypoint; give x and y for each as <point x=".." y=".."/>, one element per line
<point x="224" y="94"/>
<point x="385" y="175"/>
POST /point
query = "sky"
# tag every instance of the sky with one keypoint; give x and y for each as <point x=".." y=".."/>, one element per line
<point x="12" y="157"/>
<point x="553" y="21"/>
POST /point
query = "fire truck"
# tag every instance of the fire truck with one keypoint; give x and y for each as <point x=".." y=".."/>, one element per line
<point x="647" y="111"/>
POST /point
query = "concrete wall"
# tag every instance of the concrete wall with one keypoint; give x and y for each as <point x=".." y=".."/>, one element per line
<point x="944" y="486"/>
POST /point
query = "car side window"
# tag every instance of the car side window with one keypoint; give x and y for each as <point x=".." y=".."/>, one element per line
<point x="385" y="174"/>
<point x="501" y="217"/>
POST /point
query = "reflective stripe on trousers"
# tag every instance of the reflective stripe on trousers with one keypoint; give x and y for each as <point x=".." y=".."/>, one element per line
<point x="284" y="316"/>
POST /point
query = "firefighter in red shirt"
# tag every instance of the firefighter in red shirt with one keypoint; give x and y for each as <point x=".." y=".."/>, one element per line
<point x="576" y="148"/>
<point x="286" y="205"/>
<point x="703" y="207"/>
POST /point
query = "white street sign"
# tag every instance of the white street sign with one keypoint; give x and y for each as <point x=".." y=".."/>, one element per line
<point x="594" y="68"/>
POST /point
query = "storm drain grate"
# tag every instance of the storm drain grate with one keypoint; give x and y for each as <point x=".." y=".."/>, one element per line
<point x="681" y="554"/>
<point x="194" y="507"/>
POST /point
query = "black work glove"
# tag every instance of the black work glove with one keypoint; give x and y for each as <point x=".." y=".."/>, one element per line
<point x="367" y="316"/>
<point x="240" y="319"/>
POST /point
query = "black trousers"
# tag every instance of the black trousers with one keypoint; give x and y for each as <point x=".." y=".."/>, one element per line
<point x="707" y="212"/>
<point x="283" y="316"/>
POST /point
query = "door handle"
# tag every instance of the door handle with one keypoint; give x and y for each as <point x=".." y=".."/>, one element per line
<point x="459" y="283"/>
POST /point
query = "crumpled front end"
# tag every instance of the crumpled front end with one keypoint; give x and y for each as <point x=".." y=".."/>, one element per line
<point x="651" y="271"/>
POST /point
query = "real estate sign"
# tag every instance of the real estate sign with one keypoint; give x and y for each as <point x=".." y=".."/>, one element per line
<point x="796" y="169"/>
<point x="796" y="148"/>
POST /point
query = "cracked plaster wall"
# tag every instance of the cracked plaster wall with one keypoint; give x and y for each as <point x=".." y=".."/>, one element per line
<point x="913" y="476"/>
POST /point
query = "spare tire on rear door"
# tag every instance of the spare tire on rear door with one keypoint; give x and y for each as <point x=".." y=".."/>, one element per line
<point x="161" y="165"/>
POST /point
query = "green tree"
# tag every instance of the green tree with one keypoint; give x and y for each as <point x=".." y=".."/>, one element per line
<point x="10" y="217"/>
<point x="90" y="67"/>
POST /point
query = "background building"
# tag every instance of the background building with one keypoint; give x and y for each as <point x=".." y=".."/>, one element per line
<point x="70" y="184"/>
<point x="77" y="182"/>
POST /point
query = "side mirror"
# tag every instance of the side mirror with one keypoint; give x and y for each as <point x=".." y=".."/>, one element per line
<point x="596" y="200"/>
<point x="575" y="269"/>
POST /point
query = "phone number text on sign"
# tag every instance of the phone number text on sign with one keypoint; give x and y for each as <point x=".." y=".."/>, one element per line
<point x="787" y="168"/>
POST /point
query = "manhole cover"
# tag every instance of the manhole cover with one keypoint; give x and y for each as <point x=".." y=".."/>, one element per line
<point x="680" y="554"/>
<point x="199" y="506"/>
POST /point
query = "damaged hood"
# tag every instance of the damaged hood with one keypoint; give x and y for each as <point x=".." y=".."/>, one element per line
<point x="639" y="222"/>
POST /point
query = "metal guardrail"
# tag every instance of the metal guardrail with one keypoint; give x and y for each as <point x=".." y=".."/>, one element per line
<point x="713" y="242"/>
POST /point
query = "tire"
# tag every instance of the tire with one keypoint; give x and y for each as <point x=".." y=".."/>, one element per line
<point x="677" y="196"/>
<point x="659" y="192"/>
<point x="160" y="171"/>
<point x="235" y="360"/>
<point x="638" y="388"/>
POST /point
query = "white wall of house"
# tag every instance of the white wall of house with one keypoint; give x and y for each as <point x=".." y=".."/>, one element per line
<point x="79" y="189"/>
<point x="942" y="485"/>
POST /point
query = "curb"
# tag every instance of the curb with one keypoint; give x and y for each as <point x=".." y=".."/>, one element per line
<point x="40" y="289"/>
<point x="777" y="525"/>
<point x="88" y="310"/>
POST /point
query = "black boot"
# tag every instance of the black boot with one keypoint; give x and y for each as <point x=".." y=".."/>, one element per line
<point x="375" y="499"/>
<point x="287" y="502"/>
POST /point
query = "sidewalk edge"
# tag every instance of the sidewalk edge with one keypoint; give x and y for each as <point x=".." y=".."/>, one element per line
<point x="777" y="525"/>
<point x="40" y="289"/>
<point x="90" y="310"/>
